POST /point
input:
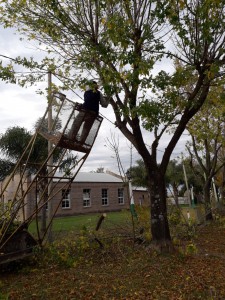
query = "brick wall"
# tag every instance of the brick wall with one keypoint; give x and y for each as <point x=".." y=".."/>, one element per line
<point x="77" y="202"/>
<point x="141" y="197"/>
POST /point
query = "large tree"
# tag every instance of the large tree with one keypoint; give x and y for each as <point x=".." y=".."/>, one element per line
<point x="121" y="41"/>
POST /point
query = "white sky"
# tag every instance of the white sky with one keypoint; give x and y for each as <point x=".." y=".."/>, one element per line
<point x="23" y="106"/>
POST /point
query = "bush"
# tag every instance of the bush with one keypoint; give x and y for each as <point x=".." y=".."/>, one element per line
<point x="142" y="224"/>
<point x="180" y="228"/>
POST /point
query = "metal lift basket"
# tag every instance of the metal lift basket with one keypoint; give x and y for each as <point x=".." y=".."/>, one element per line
<point x="73" y="128"/>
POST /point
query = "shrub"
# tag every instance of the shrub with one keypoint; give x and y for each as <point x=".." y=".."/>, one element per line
<point x="181" y="228"/>
<point x="142" y="223"/>
<point x="191" y="249"/>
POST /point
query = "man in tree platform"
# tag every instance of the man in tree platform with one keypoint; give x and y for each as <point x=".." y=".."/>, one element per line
<point x="90" y="110"/>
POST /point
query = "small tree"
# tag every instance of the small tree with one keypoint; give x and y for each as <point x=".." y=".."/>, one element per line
<point x="99" y="170"/>
<point x="207" y="134"/>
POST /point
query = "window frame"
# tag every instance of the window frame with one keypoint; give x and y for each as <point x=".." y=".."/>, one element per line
<point x="105" y="198"/>
<point x="120" y="197"/>
<point x="86" y="200"/>
<point x="66" y="199"/>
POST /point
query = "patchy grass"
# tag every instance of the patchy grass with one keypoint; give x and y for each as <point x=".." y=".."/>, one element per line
<point x="80" y="269"/>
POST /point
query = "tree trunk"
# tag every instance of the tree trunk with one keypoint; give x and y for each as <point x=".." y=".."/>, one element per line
<point x="161" y="238"/>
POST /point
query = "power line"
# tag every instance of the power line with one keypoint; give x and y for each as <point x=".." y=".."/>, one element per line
<point x="107" y="119"/>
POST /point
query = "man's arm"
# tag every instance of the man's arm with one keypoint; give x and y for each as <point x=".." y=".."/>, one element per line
<point x="104" y="101"/>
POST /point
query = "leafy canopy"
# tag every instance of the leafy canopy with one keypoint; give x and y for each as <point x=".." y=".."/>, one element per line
<point x="121" y="43"/>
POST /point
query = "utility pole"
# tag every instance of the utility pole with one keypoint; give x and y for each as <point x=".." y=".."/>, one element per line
<point x="215" y="192"/>
<point x="186" y="183"/>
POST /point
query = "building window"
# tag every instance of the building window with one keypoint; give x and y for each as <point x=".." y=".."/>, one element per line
<point x="120" y="196"/>
<point x="86" y="198"/>
<point x="65" y="198"/>
<point x="105" y="197"/>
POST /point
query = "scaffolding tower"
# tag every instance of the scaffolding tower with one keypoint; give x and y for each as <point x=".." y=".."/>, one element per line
<point x="72" y="134"/>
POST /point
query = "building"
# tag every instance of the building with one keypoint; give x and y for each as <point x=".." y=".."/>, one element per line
<point x="88" y="193"/>
<point x="141" y="196"/>
<point x="92" y="192"/>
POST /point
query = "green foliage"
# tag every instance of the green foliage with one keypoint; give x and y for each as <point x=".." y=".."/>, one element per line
<point x="142" y="225"/>
<point x="79" y="248"/>
<point x="68" y="252"/>
<point x="191" y="249"/>
<point x="174" y="174"/>
<point x="155" y="112"/>
<point x="219" y="218"/>
<point x="13" y="144"/>
<point x="14" y="141"/>
<point x="5" y="168"/>
<point x="4" y="296"/>
<point x="211" y="119"/>
<point x="12" y="226"/>
<point x="206" y="146"/>
<point x="222" y="222"/>
<point x="7" y="73"/>
<point x="7" y="224"/>
<point x="138" y="174"/>
<point x="208" y="15"/>
<point x="175" y="217"/>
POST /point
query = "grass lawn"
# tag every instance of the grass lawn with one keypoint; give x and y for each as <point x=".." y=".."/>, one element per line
<point x="112" y="220"/>
<point x="77" y="223"/>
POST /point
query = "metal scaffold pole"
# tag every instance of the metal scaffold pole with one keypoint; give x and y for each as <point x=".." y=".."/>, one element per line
<point x="50" y="161"/>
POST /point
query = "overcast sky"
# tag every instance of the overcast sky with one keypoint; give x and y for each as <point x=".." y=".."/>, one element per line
<point x="23" y="106"/>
